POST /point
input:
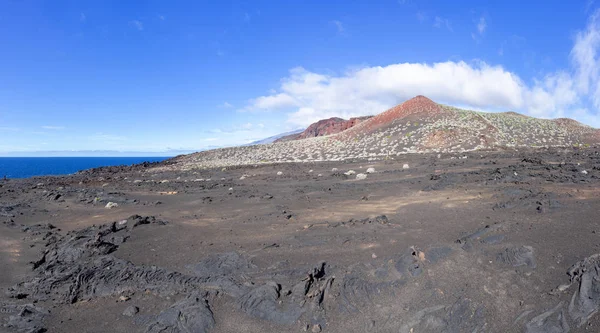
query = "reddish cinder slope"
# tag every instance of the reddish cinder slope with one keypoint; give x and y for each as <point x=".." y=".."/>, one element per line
<point x="419" y="106"/>
<point x="329" y="126"/>
<point x="326" y="127"/>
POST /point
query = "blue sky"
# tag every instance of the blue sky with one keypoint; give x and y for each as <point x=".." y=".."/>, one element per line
<point x="155" y="76"/>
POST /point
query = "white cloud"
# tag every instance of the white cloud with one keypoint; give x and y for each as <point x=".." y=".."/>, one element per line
<point x="246" y="17"/>
<point x="421" y="16"/>
<point x="225" y="105"/>
<point x="82" y="17"/>
<point x="56" y="128"/>
<point x="137" y="24"/>
<point x="272" y="102"/>
<point x="481" y="25"/>
<point x="161" y="17"/>
<point x="307" y="96"/>
<point x="439" y="22"/>
<point x="9" y="129"/>
<point x="584" y="56"/>
<point x="339" y="26"/>
<point x="371" y="90"/>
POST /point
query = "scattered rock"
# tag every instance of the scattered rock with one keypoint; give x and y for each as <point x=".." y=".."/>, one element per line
<point x="349" y="172"/>
<point x="551" y="321"/>
<point x="518" y="256"/>
<point x="361" y="176"/>
<point x="279" y="173"/>
<point x="191" y="314"/>
<point x="405" y="166"/>
<point x="131" y="311"/>
<point x="334" y="170"/>
<point x="111" y="205"/>
<point x="585" y="302"/>
<point x="28" y="319"/>
<point x="371" y="170"/>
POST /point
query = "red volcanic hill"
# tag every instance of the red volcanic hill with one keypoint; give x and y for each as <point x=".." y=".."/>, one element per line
<point x="325" y="127"/>
<point x="419" y="107"/>
<point x="418" y="125"/>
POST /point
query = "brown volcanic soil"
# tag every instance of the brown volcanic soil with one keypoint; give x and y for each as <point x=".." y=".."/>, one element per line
<point x="474" y="242"/>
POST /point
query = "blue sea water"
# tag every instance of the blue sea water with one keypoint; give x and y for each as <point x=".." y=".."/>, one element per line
<point x="23" y="167"/>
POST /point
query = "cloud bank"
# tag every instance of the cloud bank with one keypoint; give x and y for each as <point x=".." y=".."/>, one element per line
<point x="574" y="92"/>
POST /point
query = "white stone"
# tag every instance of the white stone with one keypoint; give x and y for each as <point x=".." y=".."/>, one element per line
<point x="279" y="173"/>
<point x="405" y="166"/>
<point x="164" y="181"/>
<point x="230" y="189"/>
<point x="361" y="176"/>
<point x="334" y="170"/>
<point x="111" y="205"/>
<point x="243" y="177"/>
<point x="137" y="181"/>
<point x="310" y="171"/>
<point x="371" y="170"/>
<point x="584" y="172"/>
<point x="319" y="175"/>
<point x="349" y="172"/>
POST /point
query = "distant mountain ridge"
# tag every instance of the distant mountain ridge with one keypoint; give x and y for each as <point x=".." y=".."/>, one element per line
<point x="418" y="125"/>
<point x="274" y="138"/>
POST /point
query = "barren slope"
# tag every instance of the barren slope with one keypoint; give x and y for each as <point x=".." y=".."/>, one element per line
<point x="416" y="126"/>
<point x="472" y="242"/>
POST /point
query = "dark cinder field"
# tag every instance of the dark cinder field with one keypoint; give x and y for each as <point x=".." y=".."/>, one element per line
<point x="474" y="242"/>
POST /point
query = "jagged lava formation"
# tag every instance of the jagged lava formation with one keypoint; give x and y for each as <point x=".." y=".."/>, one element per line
<point x="418" y="125"/>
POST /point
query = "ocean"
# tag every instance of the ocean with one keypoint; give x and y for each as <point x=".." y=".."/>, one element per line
<point x="23" y="167"/>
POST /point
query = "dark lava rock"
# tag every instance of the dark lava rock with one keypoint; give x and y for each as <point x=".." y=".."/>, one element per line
<point x="191" y="314"/>
<point x="518" y="256"/>
<point x="131" y="311"/>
